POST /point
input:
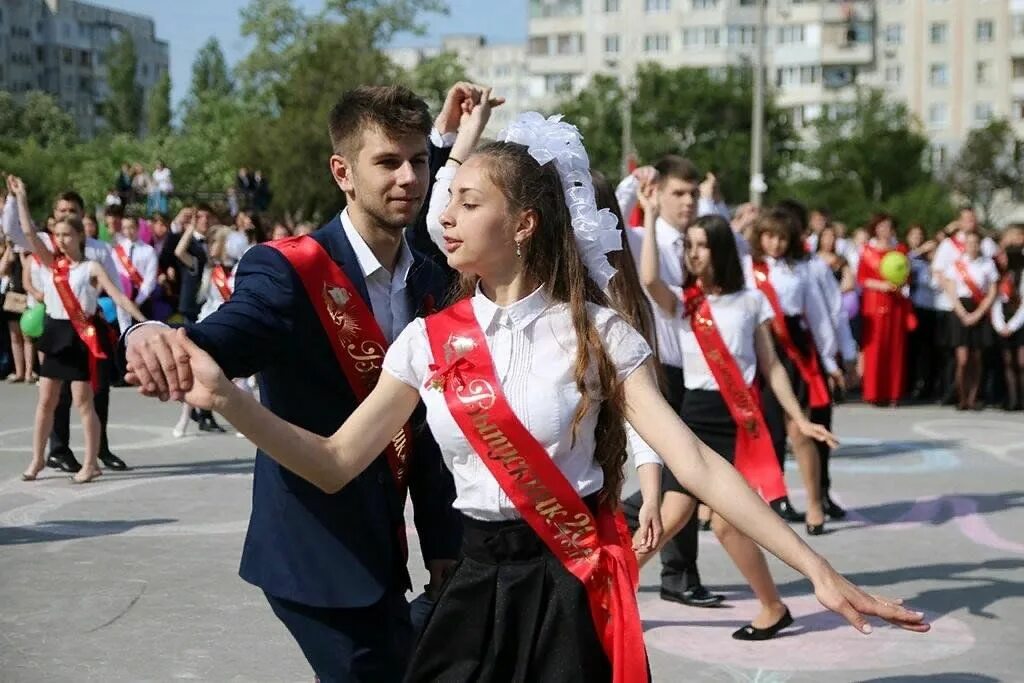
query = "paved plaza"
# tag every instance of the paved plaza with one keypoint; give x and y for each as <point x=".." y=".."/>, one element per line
<point x="133" y="578"/>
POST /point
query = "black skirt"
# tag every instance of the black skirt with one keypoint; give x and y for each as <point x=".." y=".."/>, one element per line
<point x="706" y="414"/>
<point x="1016" y="339"/>
<point x="975" y="337"/>
<point x="805" y="345"/>
<point x="65" y="355"/>
<point x="509" y="612"/>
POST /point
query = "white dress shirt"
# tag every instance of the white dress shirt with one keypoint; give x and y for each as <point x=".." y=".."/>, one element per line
<point x="982" y="270"/>
<point x="799" y="295"/>
<point x="947" y="253"/>
<point x="81" y="285"/>
<point x="209" y="293"/>
<point x="533" y="346"/>
<point x="737" y="317"/>
<point x="144" y="258"/>
<point x="1016" y="321"/>
<point x="672" y="272"/>
<point x="388" y="298"/>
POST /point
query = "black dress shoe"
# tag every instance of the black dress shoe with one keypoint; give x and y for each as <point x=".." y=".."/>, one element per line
<point x="816" y="529"/>
<point x="112" y="462"/>
<point x="705" y="525"/>
<point x="64" y="460"/>
<point x="783" y="508"/>
<point x="833" y="510"/>
<point x="208" y="424"/>
<point x="693" y="597"/>
<point x="750" y="632"/>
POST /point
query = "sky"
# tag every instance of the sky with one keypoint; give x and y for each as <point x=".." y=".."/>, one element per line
<point x="187" y="24"/>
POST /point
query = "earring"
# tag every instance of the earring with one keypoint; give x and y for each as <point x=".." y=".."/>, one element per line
<point x="519" y="250"/>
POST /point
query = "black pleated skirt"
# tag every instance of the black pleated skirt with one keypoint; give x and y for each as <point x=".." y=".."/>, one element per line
<point x="805" y="344"/>
<point x="65" y="355"/>
<point x="509" y="613"/>
<point x="706" y="414"/>
<point x="975" y="337"/>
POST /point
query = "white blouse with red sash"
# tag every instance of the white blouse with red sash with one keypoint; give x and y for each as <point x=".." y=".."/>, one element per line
<point x="981" y="270"/>
<point x="533" y="346"/>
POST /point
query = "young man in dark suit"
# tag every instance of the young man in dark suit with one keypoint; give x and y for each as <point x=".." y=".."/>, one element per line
<point x="331" y="565"/>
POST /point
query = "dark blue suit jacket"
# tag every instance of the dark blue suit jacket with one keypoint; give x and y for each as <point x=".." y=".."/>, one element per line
<point x="304" y="545"/>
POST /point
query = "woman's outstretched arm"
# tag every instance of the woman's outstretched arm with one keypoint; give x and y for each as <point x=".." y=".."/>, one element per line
<point x="717" y="483"/>
<point x="328" y="462"/>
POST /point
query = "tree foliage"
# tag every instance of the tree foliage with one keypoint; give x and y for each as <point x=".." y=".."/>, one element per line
<point x="431" y="78"/>
<point x="38" y="118"/>
<point x="123" y="109"/>
<point x="158" y="107"/>
<point x="990" y="161"/>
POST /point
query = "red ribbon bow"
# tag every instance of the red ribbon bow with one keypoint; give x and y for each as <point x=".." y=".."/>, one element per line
<point x="441" y="375"/>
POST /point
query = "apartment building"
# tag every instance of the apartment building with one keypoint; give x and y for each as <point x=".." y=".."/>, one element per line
<point x="956" y="63"/>
<point x="57" y="46"/>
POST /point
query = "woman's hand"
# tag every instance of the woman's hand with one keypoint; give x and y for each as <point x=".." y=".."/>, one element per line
<point x="211" y="388"/>
<point x="648" y="198"/>
<point x="648" y="533"/>
<point x="817" y="432"/>
<point x="841" y="596"/>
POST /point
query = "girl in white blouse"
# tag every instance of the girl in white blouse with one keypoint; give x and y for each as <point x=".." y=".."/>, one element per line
<point x="571" y="369"/>
<point x="742" y="317"/>
<point x="67" y="357"/>
<point x="1008" y="323"/>
<point x="971" y="284"/>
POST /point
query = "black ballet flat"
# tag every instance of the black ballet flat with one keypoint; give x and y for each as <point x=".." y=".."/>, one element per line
<point x="783" y="508"/>
<point x="705" y="525"/>
<point x="833" y="510"/>
<point x="750" y="632"/>
<point x="816" y="529"/>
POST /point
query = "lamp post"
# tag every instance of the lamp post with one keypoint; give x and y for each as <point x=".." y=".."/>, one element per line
<point x="757" y="184"/>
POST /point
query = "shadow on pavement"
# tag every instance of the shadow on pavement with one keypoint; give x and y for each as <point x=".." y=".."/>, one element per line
<point x="879" y="450"/>
<point x="177" y="469"/>
<point x="958" y="677"/>
<point x="63" y="529"/>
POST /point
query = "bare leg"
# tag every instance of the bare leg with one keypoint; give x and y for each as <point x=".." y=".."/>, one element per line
<point x="960" y="377"/>
<point x="49" y="394"/>
<point x="809" y="461"/>
<point x="749" y="559"/>
<point x="1010" y="376"/>
<point x="17" y="350"/>
<point x="676" y="510"/>
<point x="974" y="377"/>
<point x="81" y="395"/>
<point x="30" y="358"/>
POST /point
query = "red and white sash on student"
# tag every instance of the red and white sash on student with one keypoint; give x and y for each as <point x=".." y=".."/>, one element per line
<point x="807" y="364"/>
<point x="356" y="338"/>
<point x="129" y="267"/>
<point x="596" y="549"/>
<point x="976" y="292"/>
<point x="960" y="246"/>
<point x="220" y="279"/>
<point x="755" y="454"/>
<point x="84" y="327"/>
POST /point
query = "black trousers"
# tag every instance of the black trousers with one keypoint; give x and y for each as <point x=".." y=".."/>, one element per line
<point x="923" y="355"/>
<point x="351" y="645"/>
<point x="679" y="556"/>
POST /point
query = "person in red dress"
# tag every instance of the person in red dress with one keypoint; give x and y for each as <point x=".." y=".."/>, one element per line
<point x="887" y="316"/>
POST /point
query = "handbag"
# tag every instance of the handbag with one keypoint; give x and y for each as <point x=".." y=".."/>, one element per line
<point x="15" y="302"/>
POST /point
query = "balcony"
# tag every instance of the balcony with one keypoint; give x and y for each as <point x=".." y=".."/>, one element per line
<point x="840" y="11"/>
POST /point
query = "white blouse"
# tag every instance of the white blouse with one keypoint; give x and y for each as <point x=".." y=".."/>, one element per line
<point x="799" y="295"/>
<point x="737" y="317"/>
<point x="81" y="284"/>
<point x="209" y="293"/>
<point x="533" y="346"/>
<point x="1016" y="321"/>
<point x="982" y="270"/>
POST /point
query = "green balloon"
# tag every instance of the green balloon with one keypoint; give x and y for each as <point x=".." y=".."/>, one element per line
<point x="32" y="320"/>
<point x="895" y="268"/>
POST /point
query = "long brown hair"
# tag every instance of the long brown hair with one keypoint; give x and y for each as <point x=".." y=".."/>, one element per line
<point x="550" y="256"/>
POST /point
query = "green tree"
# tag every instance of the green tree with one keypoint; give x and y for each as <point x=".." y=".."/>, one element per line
<point x="699" y="114"/>
<point x="37" y="117"/>
<point x="990" y="161"/>
<point x="433" y="77"/>
<point x="123" y="109"/>
<point x="158" y="107"/>
<point x="299" y="65"/>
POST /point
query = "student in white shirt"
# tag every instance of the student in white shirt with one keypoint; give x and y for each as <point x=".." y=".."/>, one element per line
<point x="970" y="283"/>
<point x="139" y="281"/>
<point x="742" y="317"/>
<point x="572" y="369"/>
<point x="1008" y="323"/>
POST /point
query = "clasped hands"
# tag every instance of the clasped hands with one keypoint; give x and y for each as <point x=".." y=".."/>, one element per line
<point x="166" y="364"/>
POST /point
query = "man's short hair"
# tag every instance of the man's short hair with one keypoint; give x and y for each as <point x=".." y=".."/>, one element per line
<point x="675" y="166"/>
<point x="74" y="198"/>
<point x="393" y="109"/>
<point x="114" y="211"/>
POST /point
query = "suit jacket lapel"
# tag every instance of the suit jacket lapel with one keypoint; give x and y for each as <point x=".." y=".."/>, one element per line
<point x="340" y="249"/>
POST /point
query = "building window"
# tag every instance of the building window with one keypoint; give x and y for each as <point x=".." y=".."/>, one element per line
<point x="791" y="34"/>
<point x="1018" y="110"/>
<point x="557" y="83"/>
<point x="938" y="115"/>
<point x="705" y="4"/>
<point x="611" y="6"/>
<point x="1018" y="68"/>
<point x="656" y="42"/>
<point x="982" y="112"/>
<point x="982" y="73"/>
<point x="937" y="32"/>
<point x="611" y="43"/>
<point x="797" y="75"/>
<point x="984" y="31"/>
<point x="893" y="74"/>
<point x="556" y="8"/>
<point x="66" y="56"/>
<point x="538" y="45"/>
<point x="742" y="35"/>
<point x="651" y="6"/>
<point x="570" y="44"/>
<point x="939" y="157"/>
<point x="938" y="74"/>
<point x="1017" y="22"/>
<point x="894" y="34"/>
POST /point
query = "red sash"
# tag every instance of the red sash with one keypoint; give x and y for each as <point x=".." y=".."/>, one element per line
<point x="128" y="266"/>
<point x="84" y="327"/>
<point x="960" y="246"/>
<point x="806" y="365"/>
<point x="976" y="293"/>
<point x="596" y="549"/>
<point x="220" y="280"/>
<point x="355" y="337"/>
<point x="755" y="454"/>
